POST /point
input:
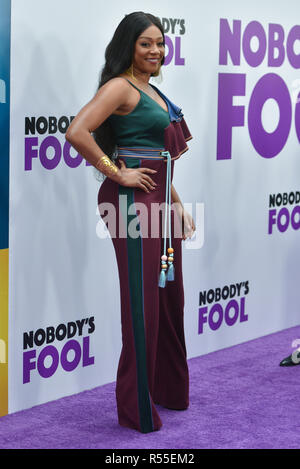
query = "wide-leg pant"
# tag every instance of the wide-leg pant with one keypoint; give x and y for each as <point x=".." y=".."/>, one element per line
<point x="152" y="367"/>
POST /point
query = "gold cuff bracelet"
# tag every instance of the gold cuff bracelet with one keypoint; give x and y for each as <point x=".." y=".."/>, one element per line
<point x="105" y="163"/>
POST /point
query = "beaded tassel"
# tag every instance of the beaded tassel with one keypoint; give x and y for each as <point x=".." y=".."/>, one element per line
<point x="167" y="269"/>
<point x="171" y="270"/>
<point x="162" y="277"/>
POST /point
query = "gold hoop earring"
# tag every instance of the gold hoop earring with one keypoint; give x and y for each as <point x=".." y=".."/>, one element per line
<point x="158" y="76"/>
<point x="129" y="72"/>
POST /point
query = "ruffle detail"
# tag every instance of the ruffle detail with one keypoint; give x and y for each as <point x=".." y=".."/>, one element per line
<point x="175" y="138"/>
<point x="177" y="133"/>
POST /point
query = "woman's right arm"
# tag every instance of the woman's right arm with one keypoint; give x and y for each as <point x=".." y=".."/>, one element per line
<point x="111" y="97"/>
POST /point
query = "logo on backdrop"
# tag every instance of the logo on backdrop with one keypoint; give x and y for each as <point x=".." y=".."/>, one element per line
<point x="284" y="212"/>
<point x="45" y="143"/>
<point x="219" y="307"/>
<point x="174" y="29"/>
<point x="275" y="47"/>
<point x="44" y="359"/>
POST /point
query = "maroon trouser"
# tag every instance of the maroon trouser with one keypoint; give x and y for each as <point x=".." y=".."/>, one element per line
<point x="152" y="367"/>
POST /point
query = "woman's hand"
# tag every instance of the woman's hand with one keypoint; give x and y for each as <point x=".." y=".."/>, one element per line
<point x="137" y="177"/>
<point x="188" y="225"/>
<point x="186" y="220"/>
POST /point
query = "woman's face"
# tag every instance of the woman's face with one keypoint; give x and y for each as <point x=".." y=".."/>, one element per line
<point x="149" y="50"/>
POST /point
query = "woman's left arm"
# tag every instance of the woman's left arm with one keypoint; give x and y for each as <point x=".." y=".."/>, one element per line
<point x="188" y="225"/>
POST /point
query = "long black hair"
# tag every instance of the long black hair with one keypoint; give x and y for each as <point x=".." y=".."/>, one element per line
<point x="118" y="58"/>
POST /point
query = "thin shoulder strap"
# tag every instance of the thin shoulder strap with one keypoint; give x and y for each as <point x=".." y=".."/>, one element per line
<point x="131" y="83"/>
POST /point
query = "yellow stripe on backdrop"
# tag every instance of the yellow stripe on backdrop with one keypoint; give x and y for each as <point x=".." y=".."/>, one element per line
<point x="3" y="331"/>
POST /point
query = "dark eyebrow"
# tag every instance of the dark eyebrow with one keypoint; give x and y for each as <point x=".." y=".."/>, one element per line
<point x="150" y="38"/>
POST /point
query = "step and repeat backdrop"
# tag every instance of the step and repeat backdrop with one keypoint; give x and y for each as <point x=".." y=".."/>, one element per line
<point x="233" y="67"/>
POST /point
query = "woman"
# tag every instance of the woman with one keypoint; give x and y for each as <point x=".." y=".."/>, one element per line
<point x="149" y="132"/>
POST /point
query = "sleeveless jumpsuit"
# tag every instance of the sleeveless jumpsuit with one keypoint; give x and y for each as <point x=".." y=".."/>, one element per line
<point x="152" y="367"/>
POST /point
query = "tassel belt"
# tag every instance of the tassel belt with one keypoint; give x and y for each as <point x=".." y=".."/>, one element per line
<point x="167" y="272"/>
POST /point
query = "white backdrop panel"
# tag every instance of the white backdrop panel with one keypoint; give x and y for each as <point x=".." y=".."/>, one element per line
<point x="60" y="271"/>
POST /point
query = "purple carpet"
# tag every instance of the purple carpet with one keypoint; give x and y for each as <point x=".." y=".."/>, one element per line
<point x="240" y="398"/>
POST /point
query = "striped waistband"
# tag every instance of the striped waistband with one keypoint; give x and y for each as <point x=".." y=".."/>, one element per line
<point x="167" y="268"/>
<point x="143" y="153"/>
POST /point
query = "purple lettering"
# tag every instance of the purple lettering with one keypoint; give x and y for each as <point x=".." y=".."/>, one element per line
<point x="28" y="365"/>
<point x="230" y="42"/>
<point x="276" y="44"/>
<point x="243" y="316"/>
<point x="254" y="29"/>
<point x="72" y="162"/>
<point x="293" y="36"/>
<point x="169" y="55"/>
<point x="70" y="365"/>
<point x="285" y="214"/>
<point x="267" y="144"/>
<point x="232" y="304"/>
<point x="272" y="220"/>
<point x="178" y="60"/>
<point x="202" y="318"/>
<point x="87" y="360"/>
<point x="214" y="325"/>
<point x="49" y="142"/>
<point x="48" y="351"/>
<point x="230" y="84"/>
<point x="30" y="152"/>
<point x="295" y="223"/>
<point x="297" y="117"/>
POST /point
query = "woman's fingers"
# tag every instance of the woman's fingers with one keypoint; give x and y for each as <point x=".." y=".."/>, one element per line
<point x="148" y="179"/>
<point x="138" y="177"/>
<point x="147" y="170"/>
<point x="189" y="226"/>
<point x="148" y="182"/>
<point x="144" y="187"/>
